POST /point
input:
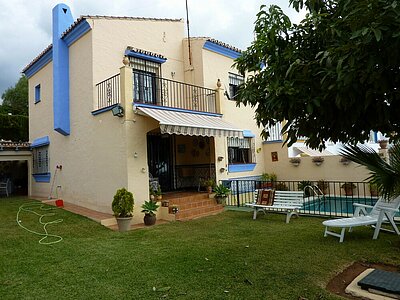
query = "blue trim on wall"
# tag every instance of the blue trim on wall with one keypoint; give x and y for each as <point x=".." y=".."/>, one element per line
<point x="62" y="20"/>
<point x="177" y="109"/>
<point x="241" y="167"/>
<point x="78" y="31"/>
<point x="39" y="142"/>
<point x="37" y="93"/>
<point x="39" y="64"/>
<point x="101" y="110"/>
<point x="221" y="50"/>
<point x="248" y="134"/>
<point x="145" y="56"/>
<point x="42" y="177"/>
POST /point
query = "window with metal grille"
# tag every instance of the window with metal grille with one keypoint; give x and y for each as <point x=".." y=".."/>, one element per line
<point x="241" y="150"/>
<point x="145" y="74"/>
<point x="234" y="81"/>
<point x="41" y="160"/>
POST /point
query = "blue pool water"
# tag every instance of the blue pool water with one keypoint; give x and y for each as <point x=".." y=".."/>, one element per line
<point x="336" y="204"/>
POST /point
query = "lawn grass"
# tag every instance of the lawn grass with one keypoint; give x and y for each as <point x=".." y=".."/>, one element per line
<point x="226" y="256"/>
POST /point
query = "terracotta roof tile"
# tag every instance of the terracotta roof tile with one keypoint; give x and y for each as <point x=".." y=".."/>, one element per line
<point x="224" y="45"/>
<point x="48" y="48"/>
<point x="145" y="52"/>
<point x="16" y="145"/>
<point x="130" y="18"/>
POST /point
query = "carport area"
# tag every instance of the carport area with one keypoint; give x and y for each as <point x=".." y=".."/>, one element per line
<point x="15" y="163"/>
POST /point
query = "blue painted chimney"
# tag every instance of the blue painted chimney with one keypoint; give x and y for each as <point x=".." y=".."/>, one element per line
<point x="62" y="20"/>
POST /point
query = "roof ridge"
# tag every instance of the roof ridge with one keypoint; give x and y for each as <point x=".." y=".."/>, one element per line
<point x="129" y="18"/>
<point x="215" y="41"/>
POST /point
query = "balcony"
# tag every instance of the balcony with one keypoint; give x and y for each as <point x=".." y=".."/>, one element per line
<point x="150" y="89"/>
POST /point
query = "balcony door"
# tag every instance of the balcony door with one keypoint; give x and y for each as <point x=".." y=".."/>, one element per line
<point x="144" y="87"/>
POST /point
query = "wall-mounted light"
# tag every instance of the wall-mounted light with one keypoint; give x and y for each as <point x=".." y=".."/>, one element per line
<point x="143" y="170"/>
<point x="220" y="158"/>
<point x="118" y="111"/>
<point x="222" y="170"/>
<point x="135" y="154"/>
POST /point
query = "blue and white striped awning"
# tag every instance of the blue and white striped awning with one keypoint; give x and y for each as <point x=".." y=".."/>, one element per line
<point x="191" y="123"/>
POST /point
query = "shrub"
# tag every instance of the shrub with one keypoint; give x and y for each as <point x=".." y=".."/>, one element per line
<point x="122" y="204"/>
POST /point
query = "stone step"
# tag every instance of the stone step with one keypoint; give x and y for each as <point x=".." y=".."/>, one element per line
<point x="193" y="213"/>
<point x="195" y="204"/>
<point x="189" y="199"/>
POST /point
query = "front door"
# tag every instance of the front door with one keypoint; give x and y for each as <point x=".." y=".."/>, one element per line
<point x="160" y="159"/>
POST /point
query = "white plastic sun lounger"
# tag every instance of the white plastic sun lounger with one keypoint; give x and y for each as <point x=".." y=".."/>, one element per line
<point x="382" y="211"/>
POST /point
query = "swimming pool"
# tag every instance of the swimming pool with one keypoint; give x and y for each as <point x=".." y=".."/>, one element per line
<point x="335" y="205"/>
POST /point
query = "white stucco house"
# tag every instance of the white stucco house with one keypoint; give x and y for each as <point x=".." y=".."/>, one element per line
<point x="116" y="100"/>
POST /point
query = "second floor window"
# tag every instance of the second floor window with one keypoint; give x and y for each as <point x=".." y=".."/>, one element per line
<point x="241" y="150"/>
<point x="145" y="75"/>
<point x="234" y="81"/>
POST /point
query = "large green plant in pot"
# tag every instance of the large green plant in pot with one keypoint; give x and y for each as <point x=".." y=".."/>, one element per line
<point x="149" y="209"/>
<point x="221" y="193"/>
<point x="122" y="207"/>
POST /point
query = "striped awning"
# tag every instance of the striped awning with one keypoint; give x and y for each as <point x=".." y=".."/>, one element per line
<point x="191" y="123"/>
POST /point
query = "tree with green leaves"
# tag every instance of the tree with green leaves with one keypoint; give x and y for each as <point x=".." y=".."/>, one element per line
<point x="385" y="175"/>
<point x="14" y="112"/>
<point x="335" y="76"/>
<point x="15" y="99"/>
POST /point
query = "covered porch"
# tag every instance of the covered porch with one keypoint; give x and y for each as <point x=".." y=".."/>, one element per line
<point x="181" y="152"/>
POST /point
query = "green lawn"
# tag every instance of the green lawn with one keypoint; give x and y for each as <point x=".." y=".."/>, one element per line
<point x="226" y="256"/>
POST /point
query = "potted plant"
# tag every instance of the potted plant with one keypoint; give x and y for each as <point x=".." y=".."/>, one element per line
<point x="158" y="193"/>
<point x="373" y="189"/>
<point x="295" y="161"/>
<point x="122" y="207"/>
<point x="322" y="185"/>
<point x="344" y="161"/>
<point x="348" y="188"/>
<point x="221" y="193"/>
<point x="268" y="180"/>
<point x="318" y="160"/>
<point x="209" y="184"/>
<point x="152" y="194"/>
<point x="281" y="186"/>
<point x="149" y="208"/>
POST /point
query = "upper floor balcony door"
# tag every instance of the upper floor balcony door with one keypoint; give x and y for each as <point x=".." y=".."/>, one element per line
<point x="144" y="87"/>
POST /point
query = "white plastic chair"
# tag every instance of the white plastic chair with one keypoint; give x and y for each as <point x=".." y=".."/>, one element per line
<point x="382" y="211"/>
<point x="5" y="186"/>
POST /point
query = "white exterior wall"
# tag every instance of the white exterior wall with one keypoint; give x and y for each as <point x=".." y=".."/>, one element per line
<point x="111" y="37"/>
<point x="217" y="66"/>
<point x="41" y="120"/>
<point x="103" y="152"/>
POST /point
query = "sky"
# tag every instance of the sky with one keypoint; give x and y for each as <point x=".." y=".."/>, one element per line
<point x="25" y="25"/>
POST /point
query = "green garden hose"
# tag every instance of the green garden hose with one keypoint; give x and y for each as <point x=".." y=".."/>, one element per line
<point x="29" y="207"/>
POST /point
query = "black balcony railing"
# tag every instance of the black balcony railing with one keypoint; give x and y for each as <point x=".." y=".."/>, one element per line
<point x="150" y="89"/>
<point x="108" y="92"/>
<point x="327" y="198"/>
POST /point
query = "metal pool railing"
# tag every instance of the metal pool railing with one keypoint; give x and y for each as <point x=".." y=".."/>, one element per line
<point x="334" y="199"/>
